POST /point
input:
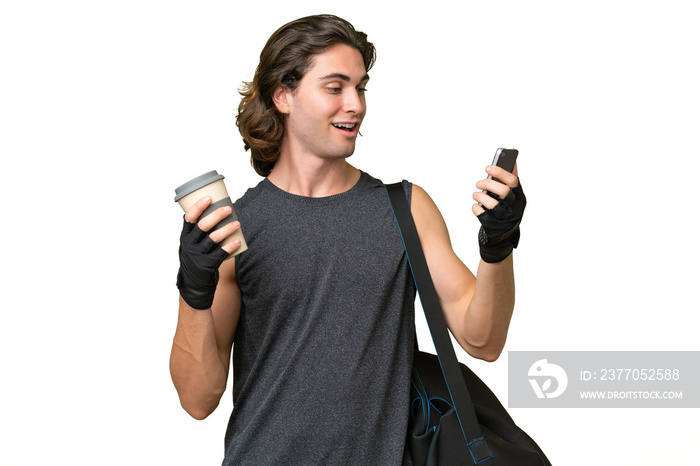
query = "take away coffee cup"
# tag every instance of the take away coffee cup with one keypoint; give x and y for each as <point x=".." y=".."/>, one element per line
<point x="211" y="184"/>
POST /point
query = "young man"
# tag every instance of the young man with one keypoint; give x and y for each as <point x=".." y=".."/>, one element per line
<point x="318" y="312"/>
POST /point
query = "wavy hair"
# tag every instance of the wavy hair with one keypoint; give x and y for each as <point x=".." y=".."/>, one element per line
<point x="284" y="60"/>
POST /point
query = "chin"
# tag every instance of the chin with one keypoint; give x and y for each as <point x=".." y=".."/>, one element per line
<point x="342" y="154"/>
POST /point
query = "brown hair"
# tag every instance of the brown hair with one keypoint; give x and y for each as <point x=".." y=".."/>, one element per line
<point x="284" y="60"/>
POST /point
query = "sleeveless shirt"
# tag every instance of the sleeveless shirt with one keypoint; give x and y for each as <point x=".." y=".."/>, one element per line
<point x="324" y="344"/>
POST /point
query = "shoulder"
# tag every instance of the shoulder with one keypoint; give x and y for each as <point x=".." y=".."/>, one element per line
<point x="422" y="203"/>
<point x="251" y="194"/>
<point x="429" y="221"/>
<point x="407" y="185"/>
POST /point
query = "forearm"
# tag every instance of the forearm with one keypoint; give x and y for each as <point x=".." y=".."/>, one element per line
<point x="499" y="208"/>
<point x="488" y="315"/>
<point x="196" y="368"/>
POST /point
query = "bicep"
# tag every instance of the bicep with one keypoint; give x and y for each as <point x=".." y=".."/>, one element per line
<point x="226" y="310"/>
<point x="454" y="282"/>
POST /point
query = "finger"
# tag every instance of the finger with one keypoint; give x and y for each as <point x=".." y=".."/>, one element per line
<point x="485" y="200"/>
<point x="510" y="179"/>
<point x="194" y="212"/>
<point x="224" y="232"/>
<point x="495" y="187"/>
<point x="211" y="220"/>
<point x="477" y="210"/>
<point x="232" y="246"/>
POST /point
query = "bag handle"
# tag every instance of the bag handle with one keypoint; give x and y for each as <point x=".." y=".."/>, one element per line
<point x="456" y="386"/>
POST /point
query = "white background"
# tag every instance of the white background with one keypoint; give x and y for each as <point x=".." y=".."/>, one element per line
<point x="106" y="107"/>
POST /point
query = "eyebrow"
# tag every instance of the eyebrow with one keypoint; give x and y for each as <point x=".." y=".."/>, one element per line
<point x="342" y="77"/>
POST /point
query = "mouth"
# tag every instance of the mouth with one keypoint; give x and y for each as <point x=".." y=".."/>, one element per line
<point x="349" y="128"/>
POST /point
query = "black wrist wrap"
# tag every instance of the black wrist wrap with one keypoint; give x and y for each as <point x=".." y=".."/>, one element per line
<point x="500" y="226"/>
<point x="200" y="258"/>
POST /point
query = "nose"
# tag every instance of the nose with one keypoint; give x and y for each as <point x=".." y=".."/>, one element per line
<point x="354" y="102"/>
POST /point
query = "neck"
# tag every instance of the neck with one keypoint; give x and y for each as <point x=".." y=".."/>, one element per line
<point x="313" y="178"/>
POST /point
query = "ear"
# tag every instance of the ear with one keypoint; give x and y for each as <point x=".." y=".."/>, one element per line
<point x="281" y="96"/>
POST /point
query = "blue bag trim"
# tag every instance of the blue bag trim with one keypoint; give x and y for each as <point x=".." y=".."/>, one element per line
<point x="479" y="450"/>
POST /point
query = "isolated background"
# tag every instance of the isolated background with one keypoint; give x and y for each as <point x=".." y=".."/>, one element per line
<point x="106" y="107"/>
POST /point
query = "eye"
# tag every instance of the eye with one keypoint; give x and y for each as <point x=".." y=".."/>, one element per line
<point x="334" y="90"/>
<point x="361" y="90"/>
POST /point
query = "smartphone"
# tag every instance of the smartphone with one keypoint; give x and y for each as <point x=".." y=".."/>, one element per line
<point x="504" y="158"/>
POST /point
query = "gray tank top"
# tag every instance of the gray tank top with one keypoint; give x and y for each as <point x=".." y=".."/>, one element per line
<point x="323" y="348"/>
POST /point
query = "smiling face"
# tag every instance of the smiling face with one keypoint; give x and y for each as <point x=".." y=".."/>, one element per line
<point x="323" y="114"/>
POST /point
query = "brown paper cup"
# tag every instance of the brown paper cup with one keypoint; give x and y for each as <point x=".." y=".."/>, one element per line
<point x="211" y="184"/>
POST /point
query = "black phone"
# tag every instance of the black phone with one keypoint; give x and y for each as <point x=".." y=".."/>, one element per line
<point x="504" y="158"/>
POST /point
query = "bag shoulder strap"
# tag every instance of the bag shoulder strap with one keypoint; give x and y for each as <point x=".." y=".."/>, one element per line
<point x="457" y="388"/>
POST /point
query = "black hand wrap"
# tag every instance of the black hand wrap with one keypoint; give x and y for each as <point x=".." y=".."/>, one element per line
<point x="200" y="258"/>
<point x="500" y="226"/>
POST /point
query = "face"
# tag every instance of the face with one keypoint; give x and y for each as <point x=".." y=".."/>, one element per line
<point x="324" y="112"/>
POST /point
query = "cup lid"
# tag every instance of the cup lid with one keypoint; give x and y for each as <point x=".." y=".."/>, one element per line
<point x="196" y="183"/>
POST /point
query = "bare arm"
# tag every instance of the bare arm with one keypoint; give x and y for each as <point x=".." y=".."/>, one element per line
<point x="477" y="309"/>
<point x="201" y="351"/>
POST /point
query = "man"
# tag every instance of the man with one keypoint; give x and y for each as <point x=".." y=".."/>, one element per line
<point x="318" y="312"/>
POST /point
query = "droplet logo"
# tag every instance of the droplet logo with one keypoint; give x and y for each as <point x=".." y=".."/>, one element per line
<point x="542" y="373"/>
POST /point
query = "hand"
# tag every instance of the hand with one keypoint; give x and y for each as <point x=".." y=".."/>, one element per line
<point x="201" y="255"/>
<point x="500" y="216"/>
